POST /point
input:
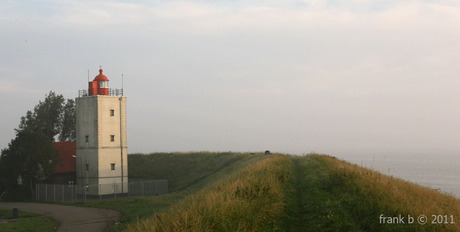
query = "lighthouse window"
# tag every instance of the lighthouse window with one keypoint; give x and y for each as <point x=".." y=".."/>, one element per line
<point x="87" y="138"/>
<point x="112" y="112"/>
<point x="104" y="84"/>
<point x="112" y="166"/>
<point x="112" y="138"/>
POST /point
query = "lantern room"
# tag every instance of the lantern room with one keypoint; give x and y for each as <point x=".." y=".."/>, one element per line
<point x="100" y="85"/>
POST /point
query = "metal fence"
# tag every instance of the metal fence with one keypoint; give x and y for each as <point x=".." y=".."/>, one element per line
<point x="78" y="193"/>
<point x="112" y="92"/>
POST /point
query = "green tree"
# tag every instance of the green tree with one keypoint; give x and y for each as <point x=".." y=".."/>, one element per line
<point x="28" y="159"/>
<point x="46" y="116"/>
<point x="54" y="117"/>
<point x="31" y="156"/>
<point x="68" y="122"/>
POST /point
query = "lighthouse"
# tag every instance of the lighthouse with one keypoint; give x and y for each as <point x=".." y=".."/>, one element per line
<point x="101" y="148"/>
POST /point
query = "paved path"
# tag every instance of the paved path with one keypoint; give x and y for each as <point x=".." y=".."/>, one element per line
<point x="70" y="218"/>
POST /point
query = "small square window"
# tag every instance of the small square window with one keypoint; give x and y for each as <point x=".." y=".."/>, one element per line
<point x="112" y="138"/>
<point x="112" y="112"/>
<point x="112" y="166"/>
<point x="87" y="138"/>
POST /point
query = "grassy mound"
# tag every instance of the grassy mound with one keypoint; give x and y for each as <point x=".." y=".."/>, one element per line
<point x="244" y="192"/>
<point x="328" y="194"/>
<point x="190" y="172"/>
<point x="180" y="169"/>
<point x="251" y="200"/>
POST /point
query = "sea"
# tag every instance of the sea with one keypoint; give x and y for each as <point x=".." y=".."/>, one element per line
<point x="440" y="172"/>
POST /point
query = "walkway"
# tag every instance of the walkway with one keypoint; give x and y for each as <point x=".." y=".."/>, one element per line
<point x="70" y="218"/>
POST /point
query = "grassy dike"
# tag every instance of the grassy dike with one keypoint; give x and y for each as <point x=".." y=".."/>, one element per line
<point x="250" y="200"/>
<point x="182" y="170"/>
<point x="328" y="194"/>
<point x="187" y="173"/>
<point x="244" y="192"/>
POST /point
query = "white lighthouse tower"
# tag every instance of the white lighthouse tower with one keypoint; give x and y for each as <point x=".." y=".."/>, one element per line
<point x="102" y="161"/>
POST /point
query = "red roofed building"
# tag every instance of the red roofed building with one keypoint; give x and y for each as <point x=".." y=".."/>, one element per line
<point x="65" y="170"/>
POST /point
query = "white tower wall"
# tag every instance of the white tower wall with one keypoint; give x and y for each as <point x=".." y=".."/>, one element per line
<point x="102" y="161"/>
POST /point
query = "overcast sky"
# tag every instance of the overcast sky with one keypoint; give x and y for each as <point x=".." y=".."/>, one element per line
<point x="336" y="77"/>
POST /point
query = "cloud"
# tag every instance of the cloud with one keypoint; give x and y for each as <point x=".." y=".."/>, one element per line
<point x="287" y="70"/>
<point x="202" y="16"/>
<point x="14" y="82"/>
<point x="7" y="87"/>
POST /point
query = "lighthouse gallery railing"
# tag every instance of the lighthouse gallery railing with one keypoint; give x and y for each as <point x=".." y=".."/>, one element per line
<point x="112" y="92"/>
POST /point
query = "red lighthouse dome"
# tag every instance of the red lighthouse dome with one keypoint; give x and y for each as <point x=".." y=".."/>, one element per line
<point x="100" y="85"/>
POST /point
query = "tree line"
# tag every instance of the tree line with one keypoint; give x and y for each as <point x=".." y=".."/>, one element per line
<point x="30" y="157"/>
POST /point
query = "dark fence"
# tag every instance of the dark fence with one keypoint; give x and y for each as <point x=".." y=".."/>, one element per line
<point x="77" y="193"/>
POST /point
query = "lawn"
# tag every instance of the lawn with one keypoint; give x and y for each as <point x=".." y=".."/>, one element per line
<point x="26" y="222"/>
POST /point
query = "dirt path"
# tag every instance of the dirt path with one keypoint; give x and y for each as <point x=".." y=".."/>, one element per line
<point x="70" y="218"/>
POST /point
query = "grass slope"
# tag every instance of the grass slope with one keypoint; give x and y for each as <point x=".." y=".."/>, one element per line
<point x="328" y="194"/>
<point x="250" y="200"/>
<point x="243" y="192"/>
<point x="191" y="172"/>
<point x="180" y="169"/>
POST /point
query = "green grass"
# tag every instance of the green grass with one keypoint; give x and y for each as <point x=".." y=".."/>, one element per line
<point x="27" y="222"/>
<point x="194" y="172"/>
<point x="244" y="192"/>
<point x="249" y="200"/>
<point x="4" y="213"/>
<point x="312" y="207"/>
<point x="180" y="169"/>
<point x="328" y="194"/>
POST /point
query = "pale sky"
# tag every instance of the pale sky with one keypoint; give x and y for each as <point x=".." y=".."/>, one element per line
<point x="335" y="77"/>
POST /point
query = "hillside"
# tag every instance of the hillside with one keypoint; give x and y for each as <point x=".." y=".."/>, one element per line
<point x="180" y="169"/>
<point x="328" y="194"/>
<point x="230" y="192"/>
<point x="187" y="173"/>
<point x="250" y="200"/>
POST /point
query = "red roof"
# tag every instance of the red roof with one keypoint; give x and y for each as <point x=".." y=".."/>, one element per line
<point x="101" y="77"/>
<point x="66" y="152"/>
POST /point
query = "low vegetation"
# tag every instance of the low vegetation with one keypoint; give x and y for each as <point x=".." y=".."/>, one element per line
<point x="244" y="192"/>
<point x="251" y="200"/>
<point x="180" y="169"/>
<point x="26" y="222"/>
<point x="191" y="172"/>
<point x="333" y="195"/>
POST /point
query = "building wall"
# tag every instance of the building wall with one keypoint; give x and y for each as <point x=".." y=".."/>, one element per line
<point x="65" y="170"/>
<point x="87" y="151"/>
<point x="66" y="153"/>
<point x="103" y="119"/>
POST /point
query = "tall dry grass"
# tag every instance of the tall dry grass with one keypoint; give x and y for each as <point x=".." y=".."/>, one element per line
<point x="252" y="200"/>
<point x="375" y="194"/>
